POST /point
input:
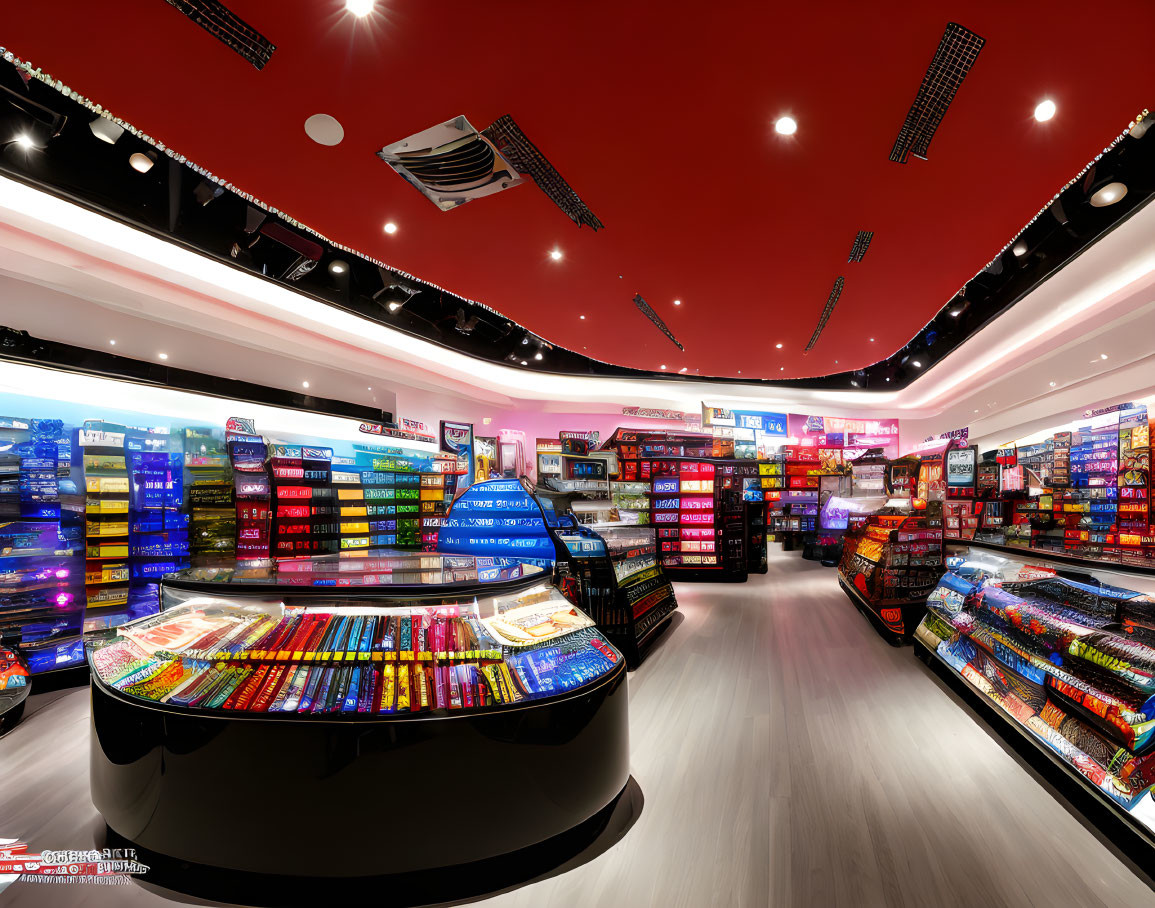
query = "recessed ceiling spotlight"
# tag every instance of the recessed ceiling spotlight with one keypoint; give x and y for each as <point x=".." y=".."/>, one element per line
<point x="663" y="366"/>
<point x="916" y="364"/>
<point x="304" y="384"/>
<point x="394" y="306"/>
<point x="853" y="382"/>
<point x="888" y="378"/>
<point x="785" y="126"/>
<point x="141" y="161"/>
<point x="538" y="356"/>
<point x="525" y="341"/>
<point x="1044" y="110"/>
<point x="370" y="388"/>
<point x="338" y="267"/>
<point x="683" y="369"/>
<point x="1019" y="249"/>
<point x="105" y="130"/>
<point x="524" y="363"/>
<point x="1102" y="356"/>
<point x="359" y="8"/>
<point x="781" y="368"/>
<point x="976" y="411"/>
<point x="954" y="313"/>
<point x="162" y="356"/>
<point x="324" y="129"/>
<point x="1052" y="384"/>
<point x="1108" y="195"/>
<point x="390" y="228"/>
<point x="872" y="340"/>
<point x="555" y="254"/>
<point x="25" y="141"/>
<point x="582" y="317"/>
<point x="112" y="343"/>
<point x="778" y="346"/>
<point x="677" y="302"/>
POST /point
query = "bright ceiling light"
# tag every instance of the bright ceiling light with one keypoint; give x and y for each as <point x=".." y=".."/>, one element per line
<point x="582" y="317"/>
<point x="1044" y="110"/>
<point x="785" y="126"/>
<point x="338" y="268"/>
<point x="1108" y="195"/>
<point x="112" y="343"/>
<point x="781" y="368"/>
<point x="162" y="356"/>
<point x="390" y="228"/>
<point x="105" y="130"/>
<point x="524" y="363"/>
<point x="1102" y="356"/>
<point x="872" y="340"/>
<point x="677" y="302"/>
<point x="1019" y="249"/>
<point x="359" y="8"/>
<point x="916" y="364"/>
<point x="370" y="388"/>
<point x="304" y="384"/>
<point x="778" y="346"/>
<point x="663" y="366"/>
<point x="25" y="141"/>
<point x="1052" y="385"/>
<point x="954" y="313"/>
<point x="394" y="306"/>
<point x="140" y="162"/>
<point x="683" y="369"/>
<point x="555" y="254"/>
<point x="538" y="356"/>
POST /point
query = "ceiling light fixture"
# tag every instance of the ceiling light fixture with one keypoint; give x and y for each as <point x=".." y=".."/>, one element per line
<point x="538" y="356"/>
<point x="141" y="161"/>
<point x="677" y="302"/>
<point x="162" y="356"/>
<point x="105" y="130"/>
<point x="872" y="340"/>
<point x="954" y="313"/>
<point x="916" y="364"/>
<point x="359" y="8"/>
<point x="785" y="126"/>
<point x="25" y="141"/>
<point x="324" y="129"/>
<point x="338" y="267"/>
<point x="304" y="384"/>
<point x="1044" y="110"/>
<point x="1052" y="384"/>
<point x="663" y="366"/>
<point x="683" y="369"/>
<point x="778" y="346"/>
<point x="112" y="343"/>
<point x="781" y="368"/>
<point x="390" y="228"/>
<point x="582" y="317"/>
<point x="1019" y="249"/>
<point x="1102" y="356"/>
<point x="394" y="306"/>
<point x="524" y="363"/>
<point x="1108" y="195"/>
<point x="555" y="254"/>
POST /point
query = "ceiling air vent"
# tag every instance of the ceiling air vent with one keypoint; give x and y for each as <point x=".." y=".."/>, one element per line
<point x="648" y="311"/>
<point x="954" y="58"/>
<point x="860" y="245"/>
<point x="831" y="302"/>
<point x="228" y="28"/>
<point x="453" y="163"/>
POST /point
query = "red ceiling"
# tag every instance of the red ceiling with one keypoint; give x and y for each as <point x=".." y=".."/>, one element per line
<point x="660" y="116"/>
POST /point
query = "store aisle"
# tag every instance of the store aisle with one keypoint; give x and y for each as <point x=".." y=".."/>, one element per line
<point x="787" y="756"/>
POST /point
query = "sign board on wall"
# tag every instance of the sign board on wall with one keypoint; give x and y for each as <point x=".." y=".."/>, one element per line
<point x="457" y="439"/>
<point x="960" y="468"/>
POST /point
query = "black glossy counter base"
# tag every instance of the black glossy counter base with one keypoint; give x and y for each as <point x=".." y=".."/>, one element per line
<point x="1118" y="830"/>
<point x="355" y="797"/>
<point x="905" y="617"/>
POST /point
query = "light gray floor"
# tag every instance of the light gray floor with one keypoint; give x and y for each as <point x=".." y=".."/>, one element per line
<point x="787" y="756"/>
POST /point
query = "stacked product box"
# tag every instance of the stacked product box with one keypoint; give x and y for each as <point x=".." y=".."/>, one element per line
<point x="107" y="574"/>
<point x="304" y="505"/>
<point x="212" y="516"/>
<point x="252" y="489"/>
<point x="158" y="521"/>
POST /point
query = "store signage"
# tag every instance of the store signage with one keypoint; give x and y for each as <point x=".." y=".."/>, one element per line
<point x="963" y="435"/>
<point x="1008" y="455"/>
<point x="960" y="468"/>
<point x="590" y="435"/>
<point x="1103" y="411"/>
<point x="409" y="433"/>
<point x="651" y="413"/>
<point x="241" y="425"/>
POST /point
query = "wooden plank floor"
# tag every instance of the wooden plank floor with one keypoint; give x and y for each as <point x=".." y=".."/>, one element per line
<point x="786" y="754"/>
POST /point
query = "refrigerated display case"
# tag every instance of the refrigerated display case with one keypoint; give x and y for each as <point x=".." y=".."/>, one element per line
<point x="1065" y="666"/>
<point x="379" y="694"/>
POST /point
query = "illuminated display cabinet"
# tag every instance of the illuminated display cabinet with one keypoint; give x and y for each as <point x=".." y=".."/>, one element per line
<point x="381" y="694"/>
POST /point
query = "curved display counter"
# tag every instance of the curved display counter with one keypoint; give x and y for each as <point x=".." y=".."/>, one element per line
<point x="418" y="710"/>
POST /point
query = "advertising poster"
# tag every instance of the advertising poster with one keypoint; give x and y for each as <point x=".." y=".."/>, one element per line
<point x="457" y="439"/>
<point x="960" y="468"/>
<point x="485" y="458"/>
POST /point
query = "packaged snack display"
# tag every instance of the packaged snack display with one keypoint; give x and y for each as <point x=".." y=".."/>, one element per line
<point x="1070" y="664"/>
<point x="357" y="669"/>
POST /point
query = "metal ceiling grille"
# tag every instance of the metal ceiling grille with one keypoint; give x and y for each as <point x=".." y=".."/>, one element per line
<point x="507" y="136"/>
<point x="228" y="28"/>
<point x="831" y="302"/>
<point x="649" y="313"/>
<point x="954" y="58"/>
<point x="860" y="245"/>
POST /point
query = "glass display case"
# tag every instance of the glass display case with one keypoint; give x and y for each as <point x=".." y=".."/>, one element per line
<point x="1068" y="663"/>
<point x="364" y="686"/>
